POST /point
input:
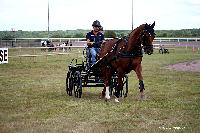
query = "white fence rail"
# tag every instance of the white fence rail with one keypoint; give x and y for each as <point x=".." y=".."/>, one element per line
<point x="177" y="39"/>
<point x="82" y="39"/>
<point x="36" y="42"/>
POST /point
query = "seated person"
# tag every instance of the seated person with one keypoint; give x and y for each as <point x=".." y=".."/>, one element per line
<point x="94" y="40"/>
<point x="163" y="50"/>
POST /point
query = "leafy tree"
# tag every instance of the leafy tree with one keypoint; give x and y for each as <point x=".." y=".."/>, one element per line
<point x="78" y="35"/>
<point x="57" y="34"/>
<point x="109" y="34"/>
<point x="7" y="35"/>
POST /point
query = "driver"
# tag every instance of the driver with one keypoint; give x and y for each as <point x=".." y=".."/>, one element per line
<point x="94" y="40"/>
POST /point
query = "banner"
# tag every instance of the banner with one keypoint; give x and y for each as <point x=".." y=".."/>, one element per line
<point x="3" y="55"/>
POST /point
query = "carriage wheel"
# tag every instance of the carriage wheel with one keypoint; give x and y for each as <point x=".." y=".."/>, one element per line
<point x="125" y="87"/>
<point x="77" y="84"/>
<point x="167" y="51"/>
<point x="123" y="92"/>
<point x="69" y="83"/>
<point x="113" y="87"/>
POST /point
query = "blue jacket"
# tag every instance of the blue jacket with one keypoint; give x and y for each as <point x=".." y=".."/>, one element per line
<point x="97" y="39"/>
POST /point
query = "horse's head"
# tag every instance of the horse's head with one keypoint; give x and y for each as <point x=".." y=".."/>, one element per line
<point x="147" y="38"/>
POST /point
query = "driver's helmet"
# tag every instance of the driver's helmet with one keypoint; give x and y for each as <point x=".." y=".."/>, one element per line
<point x="96" y="23"/>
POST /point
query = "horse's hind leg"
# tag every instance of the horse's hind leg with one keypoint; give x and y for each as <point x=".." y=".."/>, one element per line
<point x="107" y="75"/>
<point x="107" y="79"/>
<point x="103" y="93"/>
<point x="107" y="93"/>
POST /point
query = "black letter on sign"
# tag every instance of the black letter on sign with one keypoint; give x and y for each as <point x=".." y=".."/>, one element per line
<point x="5" y="55"/>
<point x="1" y="55"/>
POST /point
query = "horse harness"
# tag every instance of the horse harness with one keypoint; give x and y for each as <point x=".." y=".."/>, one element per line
<point x="137" y="52"/>
<point x="122" y="51"/>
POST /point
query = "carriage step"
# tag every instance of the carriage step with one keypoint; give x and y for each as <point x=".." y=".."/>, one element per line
<point x="93" y="85"/>
<point x="94" y="81"/>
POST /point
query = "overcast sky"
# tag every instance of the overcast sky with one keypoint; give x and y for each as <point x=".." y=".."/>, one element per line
<point x="113" y="14"/>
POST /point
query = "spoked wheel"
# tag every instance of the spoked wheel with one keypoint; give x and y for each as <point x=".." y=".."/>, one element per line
<point x="77" y="84"/>
<point x="113" y="86"/>
<point x="167" y="51"/>
<point x="69" y="83"/>
<point x="125" y="86"/>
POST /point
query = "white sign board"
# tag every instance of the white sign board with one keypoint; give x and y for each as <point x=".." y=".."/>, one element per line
<point x="3" y="55"/>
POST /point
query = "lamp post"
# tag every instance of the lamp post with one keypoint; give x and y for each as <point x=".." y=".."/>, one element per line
<point x="132" y="14"/>
<point x="48" y="20"/>
<point x="13" y="36"/>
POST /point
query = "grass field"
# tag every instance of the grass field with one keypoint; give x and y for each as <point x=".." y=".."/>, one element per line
<point x="33" y="98"/>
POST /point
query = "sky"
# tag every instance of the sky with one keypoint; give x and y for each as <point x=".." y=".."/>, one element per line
<point x="31" y="15"/>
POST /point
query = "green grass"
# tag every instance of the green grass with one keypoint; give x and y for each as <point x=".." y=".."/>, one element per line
<point x="33" y="98"/>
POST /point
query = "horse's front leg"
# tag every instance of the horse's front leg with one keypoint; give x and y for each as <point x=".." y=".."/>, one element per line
<point x="138" y="71"/>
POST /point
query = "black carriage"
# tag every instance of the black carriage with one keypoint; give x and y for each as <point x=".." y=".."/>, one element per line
<point x="83" y="74"/>
<point x="163" y="50"/>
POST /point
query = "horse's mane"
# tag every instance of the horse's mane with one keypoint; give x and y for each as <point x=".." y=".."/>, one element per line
<point x="137" y="29"/>
<point x="135" y="32"/>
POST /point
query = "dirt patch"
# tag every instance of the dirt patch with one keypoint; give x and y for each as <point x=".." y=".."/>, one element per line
<point x="192" y="66"/>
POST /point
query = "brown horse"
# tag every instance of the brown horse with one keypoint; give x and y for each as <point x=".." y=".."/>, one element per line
<point x="124" y="55"/>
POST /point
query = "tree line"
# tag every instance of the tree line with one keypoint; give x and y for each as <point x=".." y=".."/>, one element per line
<point x="79" y="33"/>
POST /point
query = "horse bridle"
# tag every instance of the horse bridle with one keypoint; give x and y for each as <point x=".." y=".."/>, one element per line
<point x="143" y="38"/>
